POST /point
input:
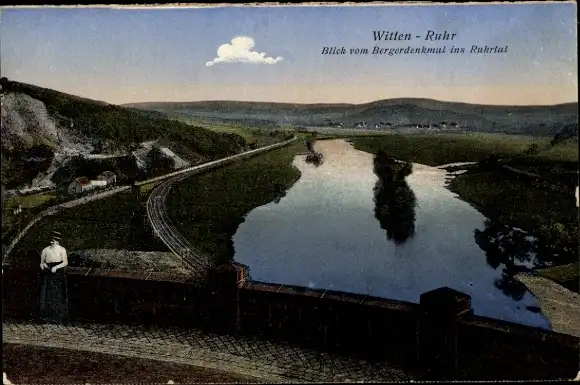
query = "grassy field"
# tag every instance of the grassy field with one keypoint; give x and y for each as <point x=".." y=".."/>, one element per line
<point x="121" y="206"/>
<point x="565" y="275"/>
<point x="116" y="222"/>
<point x="31" y="205"/>
<point x="208" y="208"/>
<point x="435" y="150"/>
<point x="514" y="202"/>
<point x="257" y="137"/>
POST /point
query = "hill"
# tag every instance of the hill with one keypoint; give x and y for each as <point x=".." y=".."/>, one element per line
<point x="40" y="125"/>
<point x="402" y="112"/>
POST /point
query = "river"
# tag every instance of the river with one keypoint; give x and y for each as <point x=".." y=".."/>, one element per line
<point x="337" y="228"/>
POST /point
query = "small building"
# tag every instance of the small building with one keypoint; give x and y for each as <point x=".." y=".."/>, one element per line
<point x="96" y="183"/>
<point x="17" y="210"/>
<point x="79" y="185"/>
<point x="84" y="184"/>
<point x="108" y="176"/>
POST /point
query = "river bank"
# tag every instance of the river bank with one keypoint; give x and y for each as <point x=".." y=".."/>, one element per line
<point x="208" y="208"/>
<point x="560" y="305"/>
<point x="550" y="216"/>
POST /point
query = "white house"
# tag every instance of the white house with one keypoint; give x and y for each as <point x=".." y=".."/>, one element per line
<point x="17" y="210"/>
<point x="96" y="183"/>
<point x="108" y="176"/>
<point x="82" y="184"/>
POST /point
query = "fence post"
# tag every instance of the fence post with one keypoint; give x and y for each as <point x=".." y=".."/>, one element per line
<point x="440" y="311"/>
<point x="224" y="308"/>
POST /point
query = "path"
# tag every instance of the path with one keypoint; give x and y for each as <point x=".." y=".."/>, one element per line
<point x="560" y="305"/>
<point x="276" y="362"/>
<point x="55" y="209"/>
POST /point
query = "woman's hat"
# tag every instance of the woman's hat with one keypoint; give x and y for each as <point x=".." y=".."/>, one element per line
<point x="56" y="235"/>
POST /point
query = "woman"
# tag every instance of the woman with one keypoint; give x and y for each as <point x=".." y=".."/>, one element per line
<point x="54" y="295"/>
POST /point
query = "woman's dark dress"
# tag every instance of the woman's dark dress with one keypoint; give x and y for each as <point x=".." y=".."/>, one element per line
<point x="54" y="295"/>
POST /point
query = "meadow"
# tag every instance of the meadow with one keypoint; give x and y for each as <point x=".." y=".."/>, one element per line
<point x="440" y="149"/>
<point x="112" y="223"/>
<point x="208" y="208"/>
<point x="12" y="222"/>
<point x="565" y="275"/>
<point x="254" y="137"/>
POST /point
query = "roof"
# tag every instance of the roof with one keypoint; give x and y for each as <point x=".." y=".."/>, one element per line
<point x="83" y="180"/>
<point x="107" y="174"/>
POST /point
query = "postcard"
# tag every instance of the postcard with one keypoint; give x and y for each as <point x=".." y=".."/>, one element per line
<point x="290" y="193"/>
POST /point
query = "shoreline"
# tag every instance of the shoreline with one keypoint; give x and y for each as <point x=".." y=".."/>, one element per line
<point x="559" y="305"/>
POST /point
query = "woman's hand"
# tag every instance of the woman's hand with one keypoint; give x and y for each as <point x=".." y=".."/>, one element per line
<point x="43" y="266"/>
<point x="53" y="269"/>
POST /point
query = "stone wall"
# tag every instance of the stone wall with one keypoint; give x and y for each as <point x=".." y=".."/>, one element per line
<point x="441" y="336"/>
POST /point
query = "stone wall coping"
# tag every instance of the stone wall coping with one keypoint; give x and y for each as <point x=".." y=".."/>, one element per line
<point x="522" y="330"/>
<point x="134" y="275"/>
<point x="359" y="299"/>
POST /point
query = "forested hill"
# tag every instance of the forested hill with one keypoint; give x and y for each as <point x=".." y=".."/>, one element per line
<point x="535" y="120"/>
<point x="39" y="122"/>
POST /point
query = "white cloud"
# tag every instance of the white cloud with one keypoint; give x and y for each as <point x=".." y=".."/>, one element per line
<point x="240" y="50"/>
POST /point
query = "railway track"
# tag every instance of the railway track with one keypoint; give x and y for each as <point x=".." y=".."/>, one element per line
<point x="161" y="223"/>
<point x="168" y="234"/>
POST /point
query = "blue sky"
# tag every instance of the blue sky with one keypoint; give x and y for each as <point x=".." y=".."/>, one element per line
<point x="133" y="55"/>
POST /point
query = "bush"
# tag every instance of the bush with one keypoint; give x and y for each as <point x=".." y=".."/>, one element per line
<point x="534" y="149"/>
<point x="559" y="240"/>
<point x="490" y="163"/>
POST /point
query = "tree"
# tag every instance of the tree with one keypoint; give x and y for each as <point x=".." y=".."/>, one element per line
<point x="490" y="163"/>
<point x="4" y="83"/>
<point x="158" y="163"/>
<point x="310" y="144"/>
<point x="533" y="149"/>
<point x="569" y="131"/>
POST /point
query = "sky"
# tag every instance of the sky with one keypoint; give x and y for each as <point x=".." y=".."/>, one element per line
<point x="274" y="54"/>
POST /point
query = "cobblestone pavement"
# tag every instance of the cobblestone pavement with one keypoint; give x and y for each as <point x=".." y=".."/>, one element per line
<point x="271" y="361"/>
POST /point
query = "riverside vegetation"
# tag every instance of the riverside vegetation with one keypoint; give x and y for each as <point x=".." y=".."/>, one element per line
<point x="547" y="213"/>
<point x="209" y="208"/>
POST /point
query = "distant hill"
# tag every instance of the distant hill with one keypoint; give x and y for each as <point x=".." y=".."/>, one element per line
<point x="38" y="123"/>
<point x="533" y="120"/>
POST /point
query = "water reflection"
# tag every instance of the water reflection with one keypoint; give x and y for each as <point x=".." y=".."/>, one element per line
<point x="511" y="249"/>
<point x="313" y="157"/>
<point x="328" y="232"/>
<point x="394" y="200"/>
